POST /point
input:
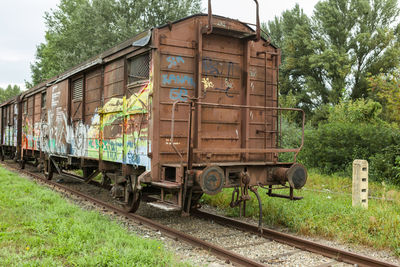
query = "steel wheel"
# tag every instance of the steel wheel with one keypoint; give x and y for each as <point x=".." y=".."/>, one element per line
<point x="22" y="164"/>
<point x="133" y="202"/>
<point x="194" y="201"/>
<point x="48" y="170"/>
<point x="133" y="194"/>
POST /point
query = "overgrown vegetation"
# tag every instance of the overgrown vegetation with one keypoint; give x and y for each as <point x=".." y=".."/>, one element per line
<point x="327" y="211"/>
<point x="39" y="228"/>
<point x="350" y="130"/>
<point x="340" y="65"/>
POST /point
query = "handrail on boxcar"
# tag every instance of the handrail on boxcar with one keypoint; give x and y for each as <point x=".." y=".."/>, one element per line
<point x="238" y="150"/>
<point x="258" y="28"/>
<point x="173" y="128"/>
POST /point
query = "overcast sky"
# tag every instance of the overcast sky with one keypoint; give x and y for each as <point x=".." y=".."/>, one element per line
<point x="22" y="28"/>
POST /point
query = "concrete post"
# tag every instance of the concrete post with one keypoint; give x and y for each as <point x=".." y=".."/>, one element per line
<point x="360" y="183"/>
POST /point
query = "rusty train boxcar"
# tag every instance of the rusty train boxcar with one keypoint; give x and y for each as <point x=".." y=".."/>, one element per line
<point x="180" y="110"/>
<point x="8" y="127"/>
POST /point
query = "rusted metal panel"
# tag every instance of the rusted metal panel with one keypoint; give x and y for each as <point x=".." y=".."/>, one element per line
<point x="112" y="121"/>
<point x="6" y="126"/>
<point x="55" y="135"/>
<point x="124" y="119"/>
<point x="77" y="99"/>
<point x="7" y="135"/>
<point x="28" y="123"/>
<point x="113" y="79"/>
<point x="37" y="120"/>
<point x="221" y="75"/>
<point x="15" y="124"/>
<point x="1" y="126"/>
<point x="232" y="71"/>
<point x="177" y="83"/>
<point x="93" y="87"/>
<point x="9" y="124"/>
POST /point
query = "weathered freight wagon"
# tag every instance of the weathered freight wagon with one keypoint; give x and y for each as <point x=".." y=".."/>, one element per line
<point x="8" y="128"/>
<point x="180" y="110"/>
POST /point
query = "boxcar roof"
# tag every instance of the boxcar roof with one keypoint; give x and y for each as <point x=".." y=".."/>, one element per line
<point x="139" y="40"/>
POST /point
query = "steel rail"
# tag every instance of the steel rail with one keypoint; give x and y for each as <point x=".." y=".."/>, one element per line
<point x="175" y="234"/>
<point x="294" y="241"/>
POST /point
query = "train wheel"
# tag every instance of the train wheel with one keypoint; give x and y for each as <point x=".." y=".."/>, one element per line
<point x="133" y="202"/>
<point x="48" y="170"/>
<point x="133" y="194"/>
<point x="194" y="201"/>
<point x="22" y="164"/>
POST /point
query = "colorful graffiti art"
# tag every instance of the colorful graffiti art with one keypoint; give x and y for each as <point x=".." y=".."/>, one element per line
<point x="127" y="121"/>
<point x="117" y="132"/>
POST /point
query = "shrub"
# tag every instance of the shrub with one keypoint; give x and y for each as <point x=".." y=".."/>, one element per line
<point x="291" y="138"/>
<point x="351" y="130"/>
<point x="333" y="147"/>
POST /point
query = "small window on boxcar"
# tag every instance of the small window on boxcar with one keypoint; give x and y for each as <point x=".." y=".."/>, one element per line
<point x="139" y="68"/>
<point x="43" y="100"/>
<point x="77" y="89"/>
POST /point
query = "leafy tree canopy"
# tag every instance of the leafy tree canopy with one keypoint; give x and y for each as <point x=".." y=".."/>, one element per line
<point x="385" y="87"/>
<point x="80" y="29"/>
<point x="328" y="56"/>
<point x="9" y="92"/>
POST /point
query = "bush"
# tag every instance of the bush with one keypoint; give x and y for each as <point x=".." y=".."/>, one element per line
<point x="291" y="138"/>
<point x="351" y="130"/>
<point x="385" y="166"/>
<point x="333" y="147"/>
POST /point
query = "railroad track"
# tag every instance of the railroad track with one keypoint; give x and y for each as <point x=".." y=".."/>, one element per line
<point x="187" y="234"/>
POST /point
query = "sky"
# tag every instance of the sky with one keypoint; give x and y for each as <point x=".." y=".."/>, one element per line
<point x="22" y="28"/>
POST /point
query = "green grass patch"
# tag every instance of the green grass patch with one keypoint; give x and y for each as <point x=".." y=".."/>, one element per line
<point x="327" y="211"/>
<point x="40" y="228"/>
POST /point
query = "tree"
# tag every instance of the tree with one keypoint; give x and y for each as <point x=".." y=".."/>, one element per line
<point x="9" y="92"/>
<point x="386" y="89"/>
<point x="360" y="37"/>
<point x="292" y="32"/>
<point x="80" y="29"/>
<point x="328" y="56"/>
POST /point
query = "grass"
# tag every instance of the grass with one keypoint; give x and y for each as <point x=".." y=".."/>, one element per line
<point x="327" y="211"/>
<point x="40" y="228"/>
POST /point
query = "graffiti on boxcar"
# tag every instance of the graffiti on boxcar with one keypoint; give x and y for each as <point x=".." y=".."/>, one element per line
<point x="36" y="136"/>
<point x="110" y="120"/>
<point x="177" y="79"/>
<point x="178" y="94"/>
<point x="207" y="83"/>
<point x="253" y="73"/>
<point x="10" y="135"/>
<point x="44" y="137"/>
<point x="227" y="85"/>
<point x="180" y="81"/>
<point x="78" y="139"/>
<point x="58" y="131"/>
<point x="215" y="68"/>
<point x="174" y="61"/>
<point x="56" y="134"/>
<point x="27" y="133"/>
